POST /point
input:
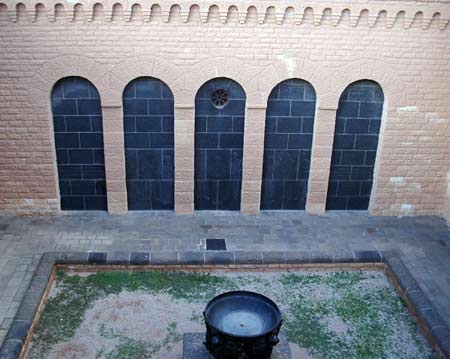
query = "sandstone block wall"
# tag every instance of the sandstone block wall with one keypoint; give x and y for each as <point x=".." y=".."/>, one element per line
<point x="402" y="45"/>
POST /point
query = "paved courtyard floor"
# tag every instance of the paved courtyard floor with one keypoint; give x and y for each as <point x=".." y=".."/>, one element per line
<point x="422" y="242"/>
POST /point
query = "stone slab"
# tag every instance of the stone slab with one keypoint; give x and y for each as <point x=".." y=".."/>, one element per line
<point x="193" y="347"/>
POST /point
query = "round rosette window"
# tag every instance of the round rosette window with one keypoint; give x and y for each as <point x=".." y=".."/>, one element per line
<point x="220" y="98"/>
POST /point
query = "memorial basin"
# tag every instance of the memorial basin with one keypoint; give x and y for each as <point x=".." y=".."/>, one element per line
<point x="241" y="324"/>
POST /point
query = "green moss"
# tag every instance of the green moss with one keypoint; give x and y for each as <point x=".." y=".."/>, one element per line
<point x="304" y="328"/>
<point x="64" y="313"/>
<point x="172" y="336"/>
<point x="132" y="349"/>
<point x="196" y="317"/>
<point x="335" y="279"/>
<point x="369" y="333"/>
<point x="366" y="314"/>
<point x="309" y="301"/>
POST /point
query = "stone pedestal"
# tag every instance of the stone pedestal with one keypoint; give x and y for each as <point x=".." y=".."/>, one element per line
<point x="193" y="347"/>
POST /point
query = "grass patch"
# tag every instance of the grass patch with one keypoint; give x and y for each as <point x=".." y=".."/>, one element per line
<point x="64" y="312"/>
<point x="332" y="315"/>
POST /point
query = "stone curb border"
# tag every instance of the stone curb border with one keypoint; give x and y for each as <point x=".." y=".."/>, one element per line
<point x="408" y="287"/>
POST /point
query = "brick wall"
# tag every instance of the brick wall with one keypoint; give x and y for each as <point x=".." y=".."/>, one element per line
<point x="403" y="46"/>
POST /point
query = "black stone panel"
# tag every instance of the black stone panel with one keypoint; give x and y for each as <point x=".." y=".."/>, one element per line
<point x="287" y="145"/>
<point x="149" y="144"/>
<point x="77" y="123"/>
<point x="219" y="139"/>
<point x="358" y="122"/>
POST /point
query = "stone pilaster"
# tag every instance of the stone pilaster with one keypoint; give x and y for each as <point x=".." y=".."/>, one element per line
<point x="113" y="139"/>
<point x="253" y="159"/>
<point x="184" y="158"/>
<point x="322" y="148"/>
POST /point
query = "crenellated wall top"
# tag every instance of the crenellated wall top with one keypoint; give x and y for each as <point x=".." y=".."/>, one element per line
<point x="374" y="13"/>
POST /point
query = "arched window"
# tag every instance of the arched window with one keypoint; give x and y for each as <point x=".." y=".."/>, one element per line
<point x="287" y="145"/>
<point x="77" y="122"/>
<point x="358" y="122"/>
<point x="219" y="137"/>
<point x="149" y="144"/>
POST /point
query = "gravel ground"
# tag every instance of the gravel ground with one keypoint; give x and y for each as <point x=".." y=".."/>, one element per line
<point x="327" y="314"/>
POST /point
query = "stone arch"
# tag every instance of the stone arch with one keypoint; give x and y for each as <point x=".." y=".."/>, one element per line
<point x="159" y="68"/>
<point x="117" y="12"/>
<point x="21" y="12"/>
<point x="155" y="13"/>
<point x="330" y="82"/>
<point x="47" y="75"/>
<point x="213" y="14"/>
<point x="383" y="74"/>
<point x="98" y="12"/>
<point x="289" y="15"/>
<point x="175" y="13"/>
<point x="247" y="76"/>
<point x="295" y="66"/>
<point x="59" y="12"/>
<point x="287" y="145"/>
<point x="355" y="145"/>
<point x="378" y="71"/>
<point x="78" y="134"/>
<point x="194" y="14"/>
<point x="137" y="14"/>
<point x="232" y="15"/>
<point x="308" y="16"/>
<point x="219" y="140"/>
<point x="270" y="16"/>
<point x="41" y="84"/>
<point x="252" y="15"/>
<point x="79" y="13"/>
<point x="148" y="114"/>
<point x="40" y="12"/>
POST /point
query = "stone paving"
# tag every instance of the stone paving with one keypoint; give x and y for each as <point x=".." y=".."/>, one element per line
<point x="422" y="242"/>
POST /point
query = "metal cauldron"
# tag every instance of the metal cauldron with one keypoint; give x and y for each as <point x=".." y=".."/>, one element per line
<point x="240" y="325"/>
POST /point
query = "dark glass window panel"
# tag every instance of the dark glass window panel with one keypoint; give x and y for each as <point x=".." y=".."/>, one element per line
<point x="287" y="145"/>
<point x="77" y="122"/>
<point x="219" y="137"/>
<point x="149" y="144"/>
<point x="357" y="128"/>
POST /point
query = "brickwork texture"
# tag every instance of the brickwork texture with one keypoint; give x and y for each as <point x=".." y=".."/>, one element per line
<point x="401" y="47"/>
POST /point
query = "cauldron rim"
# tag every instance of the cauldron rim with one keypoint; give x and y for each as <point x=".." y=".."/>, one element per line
<point x="244" y="292"/>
